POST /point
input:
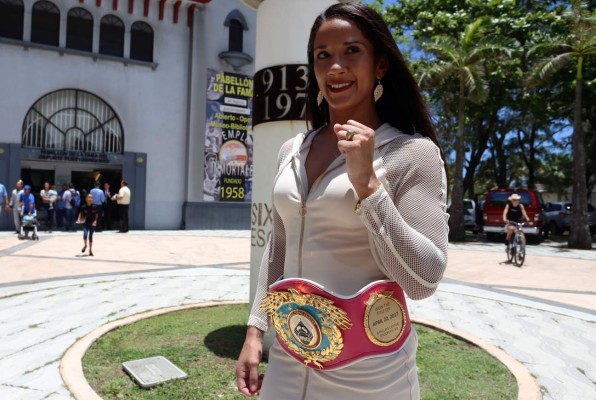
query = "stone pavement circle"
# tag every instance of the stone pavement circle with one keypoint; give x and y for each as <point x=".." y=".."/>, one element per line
<point x="50" y="296"/>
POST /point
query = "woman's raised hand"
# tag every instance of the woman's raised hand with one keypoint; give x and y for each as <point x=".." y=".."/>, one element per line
<point x="357" y="144"/>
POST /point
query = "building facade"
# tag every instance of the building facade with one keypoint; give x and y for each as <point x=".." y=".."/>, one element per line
<point x="110" y="90"/>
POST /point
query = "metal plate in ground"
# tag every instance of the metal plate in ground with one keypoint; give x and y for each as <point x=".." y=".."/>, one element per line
<point x="149" y="372"/>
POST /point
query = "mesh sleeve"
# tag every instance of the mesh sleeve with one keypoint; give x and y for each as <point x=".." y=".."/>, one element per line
<point x="272" y="263"/>
<point x="410" y="231"/>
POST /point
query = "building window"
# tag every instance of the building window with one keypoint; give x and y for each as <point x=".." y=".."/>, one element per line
<point x="79" y="30"/>
<point x="235" y="55"/>
<point x="236" y="26"/>
<point x="111" y="36"/>
<point x="141" y="42"/>
<point x="73" y="120"/>
<point x="236" y="36"/>
<point x="45" y="23"/>
<point x="11" y="19"/>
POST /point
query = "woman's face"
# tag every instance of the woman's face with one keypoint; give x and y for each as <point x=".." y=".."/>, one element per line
<point x="46" y="186"/>
<point x="89" y="199"/>
<point x="344" y="65"/>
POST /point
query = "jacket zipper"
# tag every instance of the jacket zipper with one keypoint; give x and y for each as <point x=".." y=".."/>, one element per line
<point x="302" y="211"/>
<point x="303" y="199"/>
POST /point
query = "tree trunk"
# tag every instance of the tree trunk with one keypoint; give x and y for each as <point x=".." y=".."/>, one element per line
<point x="532" y="157"/>
<point x="478" y="150"/>
<point x="528" y="151"/>
<point x="500" y="159"/>
<point x="456" y="220"/>
<point x="579" y="233"/>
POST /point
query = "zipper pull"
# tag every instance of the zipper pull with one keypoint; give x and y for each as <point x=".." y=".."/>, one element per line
<point x="302" y="211"/>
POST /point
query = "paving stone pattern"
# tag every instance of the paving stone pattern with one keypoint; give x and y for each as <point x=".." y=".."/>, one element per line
<point x="40" y="321"/>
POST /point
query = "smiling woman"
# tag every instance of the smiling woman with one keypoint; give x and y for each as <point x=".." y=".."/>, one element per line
<point x="348" y="237"/>
<point x="346" y="70"/>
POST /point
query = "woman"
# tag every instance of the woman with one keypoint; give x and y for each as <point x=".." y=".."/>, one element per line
<point x="514" y="212"/>
<point x="88" y="216"/>
<point x="358" y="199"/>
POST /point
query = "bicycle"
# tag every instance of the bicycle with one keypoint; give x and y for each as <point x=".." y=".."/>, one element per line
<point x="516" y="248"/>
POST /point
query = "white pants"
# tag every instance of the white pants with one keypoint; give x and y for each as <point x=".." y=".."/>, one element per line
<point x="392" y="377"/>
<point x="17" y="218"/>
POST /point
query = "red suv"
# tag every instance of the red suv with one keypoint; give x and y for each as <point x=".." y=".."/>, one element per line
<point x="495" y="202"/>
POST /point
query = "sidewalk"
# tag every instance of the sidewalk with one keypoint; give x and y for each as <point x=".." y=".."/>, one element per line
<point x="543" y="314"/>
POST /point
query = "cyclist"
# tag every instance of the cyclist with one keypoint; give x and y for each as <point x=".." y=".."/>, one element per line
<point x="514" y="212"/>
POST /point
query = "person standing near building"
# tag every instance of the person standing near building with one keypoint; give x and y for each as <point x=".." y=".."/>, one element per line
<point x="75" y="202"/>
<point x="60" y="208"/>
<point x="98" y="200"/>
<point x="4" y="198"/>
<point x="48" y="197"/>
<point x="123" y="200"/>
<point x="16" y="205"/>
<point x="89" y="217"/>
<point x="107" y="207"/>
<point x="69" y="211"/>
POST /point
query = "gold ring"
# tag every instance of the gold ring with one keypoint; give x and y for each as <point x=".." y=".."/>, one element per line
<point x="349" y="135"/>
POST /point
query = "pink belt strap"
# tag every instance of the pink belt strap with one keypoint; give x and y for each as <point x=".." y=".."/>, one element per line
<point x="326" y="330"/>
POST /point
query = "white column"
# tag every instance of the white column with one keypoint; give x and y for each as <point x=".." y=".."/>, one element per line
<point x="283" y="27"/>
<point x="62" y="34"/>
<point x="95" y="39"/>
<point x="27" y="25"/>
<point x="126" y="41"/>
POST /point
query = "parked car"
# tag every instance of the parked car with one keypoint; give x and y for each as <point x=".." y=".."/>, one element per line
<point x="469" y="215"/>
<point x="470" y="221"/>
<point x="470" y="205"/>
<point x="494" y="205"/>
<point x="558" y="217"/>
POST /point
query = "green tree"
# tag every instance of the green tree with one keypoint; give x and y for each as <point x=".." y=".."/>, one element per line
<point x="573" y="49"/>
<point x="462" y="57"/>
<point x="416" y="22"/>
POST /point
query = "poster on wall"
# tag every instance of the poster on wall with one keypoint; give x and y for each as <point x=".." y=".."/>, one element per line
<point x="228" y="138"/>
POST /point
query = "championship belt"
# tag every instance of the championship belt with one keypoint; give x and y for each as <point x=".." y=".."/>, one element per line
<point x="326" y="330"/>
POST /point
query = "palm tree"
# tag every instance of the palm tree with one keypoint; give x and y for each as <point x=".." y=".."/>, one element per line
<point x="575" y="48"/>
<point x="463" y="58"/>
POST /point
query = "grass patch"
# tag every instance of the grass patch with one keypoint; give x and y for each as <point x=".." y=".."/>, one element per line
<point x="205" y="343"/>
<point x="450" y="368"/>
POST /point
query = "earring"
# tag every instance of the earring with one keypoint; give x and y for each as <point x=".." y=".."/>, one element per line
<point x="378" y="91"/>
<point x="320" y="98"/>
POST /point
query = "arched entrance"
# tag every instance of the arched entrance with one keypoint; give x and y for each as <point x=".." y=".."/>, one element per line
<point x="73" y="136"/>
<point x="73" y="120"/>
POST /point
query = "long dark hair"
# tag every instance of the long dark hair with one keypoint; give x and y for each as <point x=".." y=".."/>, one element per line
<point x="401" y="104"/>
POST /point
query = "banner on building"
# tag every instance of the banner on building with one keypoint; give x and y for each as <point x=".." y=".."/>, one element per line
<point x="228" y="138"/>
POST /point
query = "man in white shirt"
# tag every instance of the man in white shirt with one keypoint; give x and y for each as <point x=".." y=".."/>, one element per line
<point x="15" y="204"/>
<point x="123" y="200"/>
<point x="48" y="197"/>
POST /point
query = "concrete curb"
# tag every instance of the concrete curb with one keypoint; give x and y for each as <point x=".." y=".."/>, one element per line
<point x="71" y="366"/>
<point x="527" y="386"/>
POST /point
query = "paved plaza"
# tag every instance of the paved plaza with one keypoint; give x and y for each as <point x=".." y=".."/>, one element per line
<point x="543" y="314"/>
